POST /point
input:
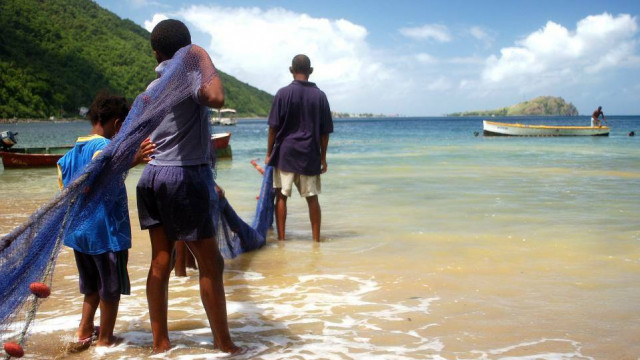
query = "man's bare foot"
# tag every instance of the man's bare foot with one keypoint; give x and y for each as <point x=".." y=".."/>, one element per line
<point x="160" y="348"/>
<point x="113" y="341"/>
<point x="230" y="349"/>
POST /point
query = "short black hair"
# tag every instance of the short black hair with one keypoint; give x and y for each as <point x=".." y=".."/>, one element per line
<point x="168" y="36"/>
<point x="106" y="107"/>
<point x="301" y="64"/>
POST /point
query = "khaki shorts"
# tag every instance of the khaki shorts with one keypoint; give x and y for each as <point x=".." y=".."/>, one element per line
<point x="306" y="185"/>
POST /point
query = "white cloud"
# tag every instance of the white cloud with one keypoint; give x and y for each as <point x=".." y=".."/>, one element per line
<point x="478" y="33"/>
<point x="147" y="3"/>
<point x="482" y="35"/>
<point x="257" y="46"/>
<point x="149" y="25"/>
<point x="426" y="58"/>
<point x="556" y="54"/>
<point x="431" y="31"/>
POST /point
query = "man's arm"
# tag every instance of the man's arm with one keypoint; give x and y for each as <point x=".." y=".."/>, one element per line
<point x="324" y="144"/>
<point x="270" y="141"/>
<point x="212" y="94"/>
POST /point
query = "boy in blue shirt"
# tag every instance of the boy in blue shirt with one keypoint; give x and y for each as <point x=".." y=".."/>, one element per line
<point x="101" y="248"/>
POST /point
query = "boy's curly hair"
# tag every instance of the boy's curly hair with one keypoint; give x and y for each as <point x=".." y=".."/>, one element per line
<point x="106" y="107"/>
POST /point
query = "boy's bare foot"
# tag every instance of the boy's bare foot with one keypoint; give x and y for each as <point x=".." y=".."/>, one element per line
<point x="79" y="345"/>
<point x="83" y="334"/>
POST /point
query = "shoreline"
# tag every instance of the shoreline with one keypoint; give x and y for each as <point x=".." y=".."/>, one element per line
<point x="30" y="120"/>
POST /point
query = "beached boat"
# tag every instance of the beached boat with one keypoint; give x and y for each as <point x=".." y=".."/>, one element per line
<point x="223" y="117"/>
<point x="220" y="144"/>
<point x="28" y="157"/>
<point x="32" y="157"/>
<point x="498" y="128"/>
<point x="49" y="156"/>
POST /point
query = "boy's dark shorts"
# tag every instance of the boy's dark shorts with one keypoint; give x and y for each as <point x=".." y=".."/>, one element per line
<point x="180" y="198"/>
<point x="105" y="274"/>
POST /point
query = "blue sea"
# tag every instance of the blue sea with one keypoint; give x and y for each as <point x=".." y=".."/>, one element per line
<point x="437" y="243"/>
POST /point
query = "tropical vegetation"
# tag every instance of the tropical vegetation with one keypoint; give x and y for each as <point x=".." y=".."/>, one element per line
<point x="56" y="55"/>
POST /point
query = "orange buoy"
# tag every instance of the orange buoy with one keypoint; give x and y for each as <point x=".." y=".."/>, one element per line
<point x="40" y="290"/>
<point x="13" y="349"/>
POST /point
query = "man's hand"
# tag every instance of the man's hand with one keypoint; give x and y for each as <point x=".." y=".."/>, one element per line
<point x="324" y="166"/>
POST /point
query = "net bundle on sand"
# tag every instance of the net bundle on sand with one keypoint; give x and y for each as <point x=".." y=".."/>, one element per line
<point x="28" y="253"/>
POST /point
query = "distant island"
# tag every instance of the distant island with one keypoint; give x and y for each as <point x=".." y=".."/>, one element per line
<point x="542" y="105"/>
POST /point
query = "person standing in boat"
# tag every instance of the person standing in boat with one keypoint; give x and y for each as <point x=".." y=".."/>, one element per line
<point x="595" y="117"/>
<point x="299" y="127"/>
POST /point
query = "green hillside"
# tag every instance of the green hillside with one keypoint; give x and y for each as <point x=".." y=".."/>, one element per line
<point x="542" y="105"/>
<point x="55" y="55"/>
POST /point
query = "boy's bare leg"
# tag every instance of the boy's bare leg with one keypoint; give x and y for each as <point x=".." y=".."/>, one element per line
<point x="108" y="315"/>
<point x="89" y="307"/>
<point x="281" y="213"/>
<point x="181" y="259"/>
<point x="158" y="287"/>
<point x="315" y="215"/>
<point x="212" y="294"/>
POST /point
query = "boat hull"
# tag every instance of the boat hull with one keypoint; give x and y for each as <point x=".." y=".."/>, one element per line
<point x="32" y="157"/>
<point x="492" y="128"/>
<point x="220" y="144"/>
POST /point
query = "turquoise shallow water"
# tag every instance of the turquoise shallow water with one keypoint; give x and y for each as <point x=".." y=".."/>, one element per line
<point x="436" y="244"/>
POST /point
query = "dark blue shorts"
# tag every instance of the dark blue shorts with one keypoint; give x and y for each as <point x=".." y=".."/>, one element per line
<point x="180" y="198"/>
<point x="105" y="274"/>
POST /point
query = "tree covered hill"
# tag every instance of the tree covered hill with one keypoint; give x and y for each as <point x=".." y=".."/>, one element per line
<point x="542" y="105"/>
<point x="55" y="55"/>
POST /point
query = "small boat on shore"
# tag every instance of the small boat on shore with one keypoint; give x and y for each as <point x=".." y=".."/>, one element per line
<point x="32" y="157"/>
<point x="28" y="157"/>
<point x="492" y="128"/>
<point x="220" y="144"/>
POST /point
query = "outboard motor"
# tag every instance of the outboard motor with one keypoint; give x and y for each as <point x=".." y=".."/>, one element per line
<point x="7" y="139"/>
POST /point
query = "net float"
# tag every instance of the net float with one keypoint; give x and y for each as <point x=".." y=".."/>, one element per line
<point x="40" y="290"/>
<point x="13" y="349"/>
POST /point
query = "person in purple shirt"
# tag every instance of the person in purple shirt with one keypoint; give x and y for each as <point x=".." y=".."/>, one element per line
<point x="299" y="127"/>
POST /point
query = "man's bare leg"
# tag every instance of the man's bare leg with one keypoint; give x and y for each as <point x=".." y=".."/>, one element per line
<point x="281" y="213"/>
<point x="181" y="259"/>
<point x="315" y="215"/>
<point x="212" y="294"/>
<point x="158" y="287"/>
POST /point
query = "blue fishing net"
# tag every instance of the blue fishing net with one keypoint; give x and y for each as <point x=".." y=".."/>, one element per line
<point x="28" y="253"/>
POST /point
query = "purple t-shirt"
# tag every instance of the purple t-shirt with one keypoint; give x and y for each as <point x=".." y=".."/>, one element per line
<point x="300" y="115"/>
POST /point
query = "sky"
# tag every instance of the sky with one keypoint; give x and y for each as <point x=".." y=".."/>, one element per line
<point x="421" y="57"/>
